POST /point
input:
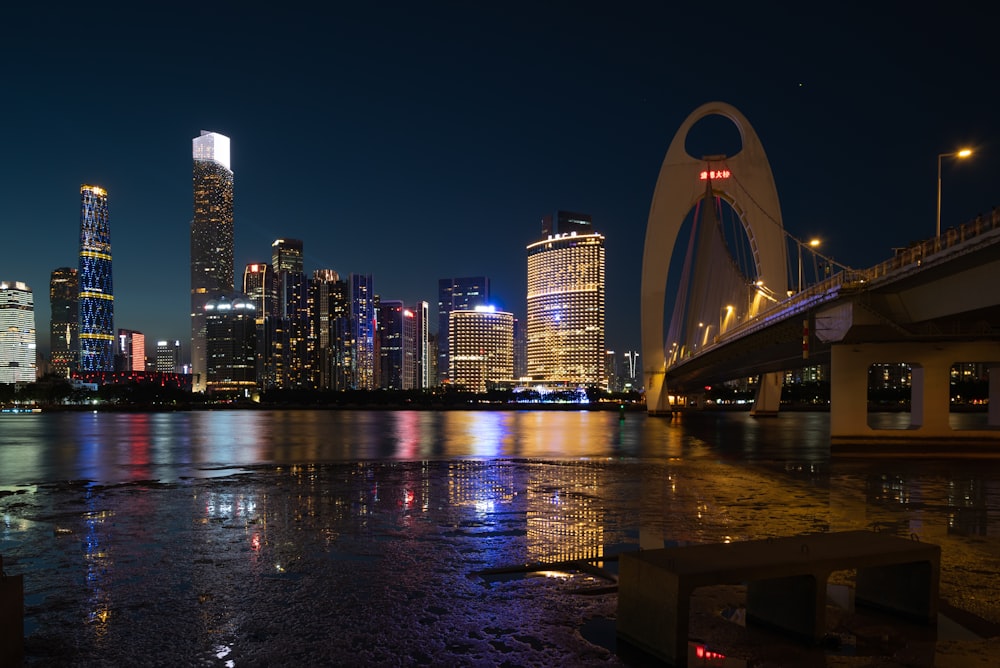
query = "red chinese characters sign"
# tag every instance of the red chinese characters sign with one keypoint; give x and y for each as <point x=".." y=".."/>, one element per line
<point x="714" y="174"/>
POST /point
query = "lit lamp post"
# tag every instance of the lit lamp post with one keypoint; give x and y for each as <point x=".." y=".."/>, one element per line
<point x="813" y="243"/>
<point x="964" y="153"/>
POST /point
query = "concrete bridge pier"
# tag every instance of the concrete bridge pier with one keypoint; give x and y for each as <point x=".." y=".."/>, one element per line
<point x="768" y="394"/>
<point x="930" y="365"/>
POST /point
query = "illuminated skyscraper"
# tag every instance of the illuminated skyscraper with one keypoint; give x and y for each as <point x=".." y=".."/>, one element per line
<point x="457" y="294"/>
<point x="361" y="296"/>
<point x="292" y="302"/>
<point x="17" y="333"/>
<point x="565" y="324"/>
<point x="64" y="300"/>
<point x="97" y="297"/>
<point x="212" y="269"/>
<point x="482" y="348"/>
<point x="391" y="349"/>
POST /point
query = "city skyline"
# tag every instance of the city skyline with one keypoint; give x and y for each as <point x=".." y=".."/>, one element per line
<point x="413" y="144"/>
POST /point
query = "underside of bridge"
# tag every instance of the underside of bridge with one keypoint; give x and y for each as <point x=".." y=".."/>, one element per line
<point x="931" y="307"/>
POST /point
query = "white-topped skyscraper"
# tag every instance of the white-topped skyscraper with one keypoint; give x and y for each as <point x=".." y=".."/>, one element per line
<point x="212" y="269"/>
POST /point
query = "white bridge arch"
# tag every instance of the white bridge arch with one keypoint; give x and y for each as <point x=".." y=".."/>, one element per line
<point x="751" y="191"/>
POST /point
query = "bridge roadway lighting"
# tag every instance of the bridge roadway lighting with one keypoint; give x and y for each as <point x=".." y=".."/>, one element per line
<point x="964" y="153"/>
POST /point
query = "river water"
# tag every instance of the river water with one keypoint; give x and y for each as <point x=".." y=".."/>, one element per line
<point x="384" y="537"/>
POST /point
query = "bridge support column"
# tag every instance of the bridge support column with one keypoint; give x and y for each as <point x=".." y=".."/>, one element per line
<point x="994" y="416"/>
<point x="930" y="365"/>
<point x="768" y="394"/>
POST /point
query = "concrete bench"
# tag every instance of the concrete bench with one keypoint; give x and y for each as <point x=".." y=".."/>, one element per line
<point x="786" y="582"/>
<point x="11" y="619"/>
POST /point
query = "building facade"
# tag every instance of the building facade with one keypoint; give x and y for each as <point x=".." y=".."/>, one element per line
<point x="231" y="346"/>
<point x="363" y="327"/>
<point x="64" y="325"/>
<point x="456" y="294"/>
<point x="168" y="357"/>
<point x="96" y="302"/>
<point x="17" y="333"/>
<point x="565" y="324"/>
<point x="131" y="355"/>
<point x="482" y="348"/>
<point x="212" y="268"/>
<point x="395" y="361"/>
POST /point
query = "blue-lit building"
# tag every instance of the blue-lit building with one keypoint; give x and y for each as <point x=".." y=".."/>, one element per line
<point x="97" y="299"/>
<point x="363" y="329"/>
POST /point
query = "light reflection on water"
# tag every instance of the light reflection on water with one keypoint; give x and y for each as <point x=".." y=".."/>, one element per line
<point x="384" y="491"/>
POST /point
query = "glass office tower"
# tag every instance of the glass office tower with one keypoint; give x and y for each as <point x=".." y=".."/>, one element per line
<point x="96" y="297"/>
<point x="212" y="269"/>
<point x="64" y="296"/>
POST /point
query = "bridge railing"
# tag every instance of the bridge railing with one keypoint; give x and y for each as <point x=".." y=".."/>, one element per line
<point x="831" y="287"/>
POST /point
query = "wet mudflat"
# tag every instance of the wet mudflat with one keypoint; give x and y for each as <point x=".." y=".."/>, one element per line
<point x="288" y="538"/>
<point x="379" y="563"/>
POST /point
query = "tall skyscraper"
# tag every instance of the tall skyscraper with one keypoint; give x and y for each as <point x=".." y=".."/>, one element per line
<point x="17" y="333"/>
<point x="328" y="327"/>
<point x="392" y="348"/>
<point x="64" y="326"/>
<point x="565" y="324"/>
<point x="212" y="269"/>
<point x="293" y="367"/>
<point x="482" y="348"/>
<point x="417" y="322"/>
<point x="456" y="294"/>
<point x="97" y="297"/>
<point x="361" y="293"/>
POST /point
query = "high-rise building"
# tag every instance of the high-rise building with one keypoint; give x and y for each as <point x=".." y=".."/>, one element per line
<point x="97" y="298"/>
<point x="64" y="300"/>
<point x="212" y="269"/>
<point x="131" y="350"/>
<point x="392" y="346"/>
<point x="456" y="294"/>
<point x="258" y="286"/>
<point x="363" y="324"/>
<point x="416" y="334"/>
<point x="291" y="348"/>
<point x="482" y="348"/>
<point x="328" y="328"/>
<point x="231" y="346"/>
<point x="565" y="324"/>
<point x="168" y="356"/>
<point x="17" y="333"/>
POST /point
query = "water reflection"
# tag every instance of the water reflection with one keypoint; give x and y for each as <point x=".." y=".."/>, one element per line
<point x="360" y="520"/>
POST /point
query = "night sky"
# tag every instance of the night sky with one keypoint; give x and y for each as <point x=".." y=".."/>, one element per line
<point x="416" y="141"/>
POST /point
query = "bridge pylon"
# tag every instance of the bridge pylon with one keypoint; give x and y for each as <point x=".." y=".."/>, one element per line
<point x="747" y="182"/>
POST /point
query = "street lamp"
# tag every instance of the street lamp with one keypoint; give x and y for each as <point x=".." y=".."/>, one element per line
<point x="964" y="153"/>
<point x="813" y="243"/>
